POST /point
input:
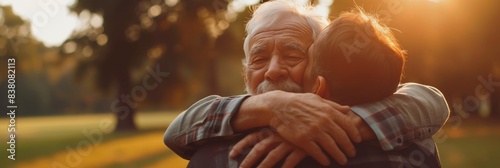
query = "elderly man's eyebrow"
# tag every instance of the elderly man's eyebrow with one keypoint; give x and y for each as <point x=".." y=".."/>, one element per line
<point x="293" y="46"/>
<point x="258" y="48"/>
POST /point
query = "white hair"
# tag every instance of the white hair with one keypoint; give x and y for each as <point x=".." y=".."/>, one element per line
<point x="267" y="13"/>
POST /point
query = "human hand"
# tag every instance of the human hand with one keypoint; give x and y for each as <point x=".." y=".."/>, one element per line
<point x="266" y="141"/>
<point x="365" y="131"/>
<point x="313" y="123"/>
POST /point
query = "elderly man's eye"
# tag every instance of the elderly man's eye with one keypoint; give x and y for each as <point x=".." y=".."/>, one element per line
<point x="294" y="59"/>
<point x="259" y="60"/>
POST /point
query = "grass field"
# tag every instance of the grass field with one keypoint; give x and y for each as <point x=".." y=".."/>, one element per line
<point x="79" y="141"/>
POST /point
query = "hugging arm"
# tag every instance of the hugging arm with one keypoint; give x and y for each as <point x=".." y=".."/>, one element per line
<point x="207" y="119"/>
<point x="418" y="111"/>
<point x="210" y="119"/>
<point x="414" y="112"/>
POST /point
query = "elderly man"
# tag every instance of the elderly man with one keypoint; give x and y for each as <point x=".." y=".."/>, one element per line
<point x="279" y="35"/>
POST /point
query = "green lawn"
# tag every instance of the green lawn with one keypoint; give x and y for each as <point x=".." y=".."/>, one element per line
<point x="481" y="152"/>
<point x="38" y="137"/>
<point x="474" y="143"/>
<point x="29" y="149"/>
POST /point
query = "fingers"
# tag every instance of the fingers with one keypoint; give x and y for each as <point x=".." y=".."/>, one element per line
<point x="337" y="137"/>
<point x="306" y="144"/>
<point x="294" y="158"/>
<point x="350" y="128"/>
<point x="340" y="108"/>
<point x="331" y="147"/>
<point x="349" y="124"/>
<point x="244" y="143"/>
<point x="347" y="127"/>
<point x="315" y="151"/>
<point x="365" y="131"/>
<point x="276" y="155"/>
<point x="345" y="122"/>
<point x="258" y="151"/>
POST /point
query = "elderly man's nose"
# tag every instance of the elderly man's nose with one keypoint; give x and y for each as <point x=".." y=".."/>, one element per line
<point x="276" y="70"/>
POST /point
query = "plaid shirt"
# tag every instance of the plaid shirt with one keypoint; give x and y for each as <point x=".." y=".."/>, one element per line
<point x="414" y="112"/>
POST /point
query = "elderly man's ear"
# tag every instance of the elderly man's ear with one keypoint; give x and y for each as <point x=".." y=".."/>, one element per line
<point x="321" y="87"/>
<point x="244" y="74"/>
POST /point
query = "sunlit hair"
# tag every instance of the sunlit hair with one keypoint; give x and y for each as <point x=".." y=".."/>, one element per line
<point x="359" y="57"/>
<point x="267" y="13"/>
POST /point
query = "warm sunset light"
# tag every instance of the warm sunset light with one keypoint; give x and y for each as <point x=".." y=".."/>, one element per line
<point x="436" y="1"/>
<point x="51" y="21"/>
<point x="194" y="83"/>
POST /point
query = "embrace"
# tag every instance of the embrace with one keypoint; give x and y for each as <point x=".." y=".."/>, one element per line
<point x="320" y="94"/>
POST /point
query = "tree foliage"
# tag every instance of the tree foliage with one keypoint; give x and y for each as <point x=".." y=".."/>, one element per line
<point x="148" y="34"/>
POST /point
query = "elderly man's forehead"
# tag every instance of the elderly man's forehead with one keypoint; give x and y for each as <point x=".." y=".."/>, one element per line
<point x="290" y="44"/>
<point x="280" y="20"/>
<point x="294" y="35"/>
<point x="295" y="45"/>
<point x="258" y="47"/>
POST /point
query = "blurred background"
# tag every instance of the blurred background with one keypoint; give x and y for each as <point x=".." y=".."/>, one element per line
<point x="97" y="82"/>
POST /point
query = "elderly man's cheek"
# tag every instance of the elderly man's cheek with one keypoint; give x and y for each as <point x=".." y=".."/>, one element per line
<point x="297" y="72"/>
<point x="255" y="77"/>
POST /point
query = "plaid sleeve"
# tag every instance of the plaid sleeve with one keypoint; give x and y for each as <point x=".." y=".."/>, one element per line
<point x="414" y="112"/>
<point x="218" y="121"/>
<point x="207" y="120"/>
<point x="387" y="123"/>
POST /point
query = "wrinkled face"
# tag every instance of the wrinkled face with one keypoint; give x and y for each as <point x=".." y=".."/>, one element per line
<point x="278" y="56"/>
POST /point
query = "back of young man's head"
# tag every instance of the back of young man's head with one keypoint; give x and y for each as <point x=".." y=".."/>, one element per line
<point x="359" y="58"/>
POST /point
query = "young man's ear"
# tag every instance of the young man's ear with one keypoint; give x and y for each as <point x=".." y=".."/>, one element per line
<point x="322" y="87"/>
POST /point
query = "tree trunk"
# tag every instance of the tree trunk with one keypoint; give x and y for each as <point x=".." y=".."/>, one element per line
<point x="127" y="123"/>
<point x="495" y="104"/>
<point x="120" y="60"/>
<point x="125" y="116"/>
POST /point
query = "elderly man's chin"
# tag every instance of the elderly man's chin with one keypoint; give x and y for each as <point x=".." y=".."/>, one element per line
<point x="266" y="86"/>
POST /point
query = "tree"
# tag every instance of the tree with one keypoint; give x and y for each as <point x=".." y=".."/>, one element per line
<point x="138" y="33"/>
<point x="31" y="93"/>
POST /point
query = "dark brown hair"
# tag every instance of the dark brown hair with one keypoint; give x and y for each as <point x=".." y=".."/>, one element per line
<point x="359" y="57"/>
